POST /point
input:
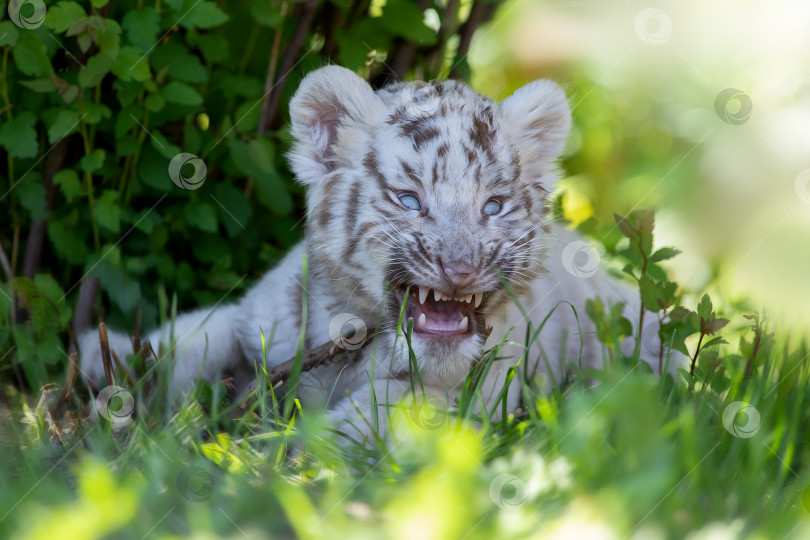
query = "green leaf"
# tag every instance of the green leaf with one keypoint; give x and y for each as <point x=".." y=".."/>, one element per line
<point x="625" y="227"/>
<point x="181" y="93"/>
<point x="95" y="112"/>
<point x="154" y="102"/>
<point x="40" y="85"/>
<point x="8" y="33"/>
<point x="94" y="70"/>
<point x="131" y="65"/>
<point x="122" y="291"/>
<point x="712" y="326"/>
<point x="124" y="122"/>
<point x="164" y="147"/>
<point x="651" y="295"/>
<point x="201" y="215"/>
<point x="235" y="211"/>
<point x="92" y="161"/>
<point x="31" y="194"/>
<point x="66" y="122"/>
<point x="271" y="190"/>
<point x="153" y="170"/>
<point x="215" y="48"/>
<point x="61" y="16"/>
<point x="63" y="236"/>
<point x="680" y="313"/>
<point x="704" y="309"/>
<point x="628" y="269"/>
<point x="31" y="56"/>
<point x="266" y="14"/>
<point x="99" y="3"/>
<point x="182" y="65"/>
<point x="107" y="211"/>
<point x="204" y="15"/>
<point x="109" y="38"/>
<point x="19" y="136"/>
<point x="714" y="341"/>
<point x="69" y="92"/>
<point x="646" y="223"/>
<point x="404" y="18"/>
<point x="142" y="27"/>
<point x="69" y="183"/>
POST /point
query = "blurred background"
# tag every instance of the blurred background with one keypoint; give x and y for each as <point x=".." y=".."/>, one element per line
<point x="698" y="110"/>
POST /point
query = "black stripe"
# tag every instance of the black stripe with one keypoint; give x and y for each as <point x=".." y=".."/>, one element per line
<point x="370" y="164"/>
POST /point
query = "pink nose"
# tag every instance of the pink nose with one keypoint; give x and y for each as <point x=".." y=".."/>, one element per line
<point x="460" y="274"/>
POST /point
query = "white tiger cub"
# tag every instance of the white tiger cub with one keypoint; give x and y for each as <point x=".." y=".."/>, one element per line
<point x="427" y="186"/>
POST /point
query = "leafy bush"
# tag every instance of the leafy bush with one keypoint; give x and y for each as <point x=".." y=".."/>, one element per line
<point x="99" y="98"/>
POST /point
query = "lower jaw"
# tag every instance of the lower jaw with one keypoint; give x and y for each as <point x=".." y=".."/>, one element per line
<point x="438" y="334"/>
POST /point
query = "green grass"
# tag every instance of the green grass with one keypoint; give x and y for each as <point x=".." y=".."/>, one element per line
<point x="719" y="450"/>
<point x="630" y="455"/>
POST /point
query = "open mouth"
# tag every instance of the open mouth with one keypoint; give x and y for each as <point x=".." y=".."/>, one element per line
<point x="440" y="313"/>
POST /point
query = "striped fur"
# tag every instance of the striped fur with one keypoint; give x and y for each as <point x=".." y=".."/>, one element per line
<point x="357" y="151"/>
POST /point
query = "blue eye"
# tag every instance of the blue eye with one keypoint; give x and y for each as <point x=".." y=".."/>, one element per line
<point x="492" y="207"/>
<point x="410" y="201"/>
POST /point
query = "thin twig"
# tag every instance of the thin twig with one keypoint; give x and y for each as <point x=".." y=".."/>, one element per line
<point x="106" y="358"/>
<point x="136" y="332"/>
<point x="304" y="23"/>
<point x="70" y="375"/>
<point x="323" y="355"/>
<point x="264" y="118"/>
<point x="36" y="234"/>
<point x="480" y="13"/>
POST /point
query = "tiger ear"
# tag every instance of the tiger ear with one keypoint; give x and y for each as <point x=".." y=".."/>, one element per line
<point x="538" y="119"/>
<point x="329" y="102"/>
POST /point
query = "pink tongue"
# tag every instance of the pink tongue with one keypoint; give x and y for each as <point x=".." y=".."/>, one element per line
<point x="441" y="316"/>
<point x="441" y="311"/>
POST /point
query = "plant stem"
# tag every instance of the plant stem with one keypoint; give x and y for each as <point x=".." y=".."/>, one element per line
<point x="697" y="351"/>
<point x="136" y="156"/>
<point x="637" y="349"/>
<point x="88" y="177"/>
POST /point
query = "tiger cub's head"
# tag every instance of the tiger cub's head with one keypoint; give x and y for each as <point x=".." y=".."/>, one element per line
<point x="429" y="188"/>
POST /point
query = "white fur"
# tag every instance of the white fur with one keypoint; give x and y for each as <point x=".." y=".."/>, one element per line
<point x="347" y="144"/>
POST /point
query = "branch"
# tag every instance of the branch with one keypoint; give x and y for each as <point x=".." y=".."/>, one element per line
<point x="85" y="303"/>
<point x="480" y="13"/>
<point x="323" y="355"/>
<point x="264" y="117"/>
<point x="36" y="234"/>
<point x="287" y="64"/>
